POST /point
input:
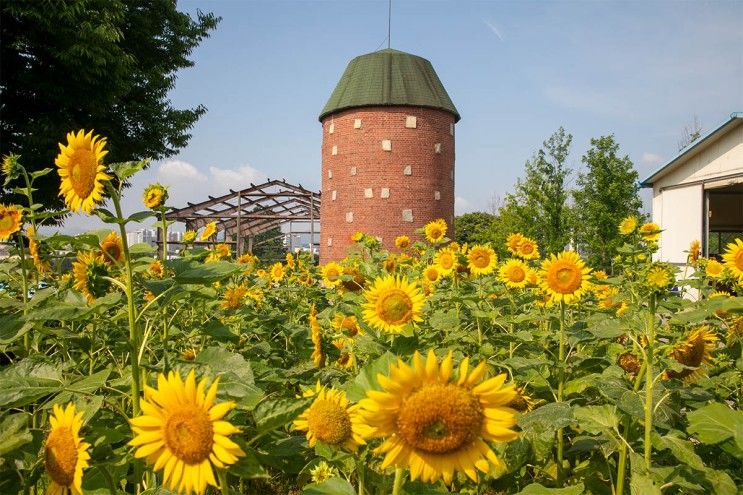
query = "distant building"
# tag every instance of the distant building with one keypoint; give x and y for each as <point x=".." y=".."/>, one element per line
<point x="387" y="151"/>
<point x="699" y="193"/>
<point x="142" y="236"/>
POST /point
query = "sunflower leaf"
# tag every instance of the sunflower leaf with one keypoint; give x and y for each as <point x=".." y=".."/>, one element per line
<point x="124" y="170"/>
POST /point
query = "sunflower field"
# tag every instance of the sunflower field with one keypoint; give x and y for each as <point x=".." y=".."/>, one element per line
<point x="435" y="368"/>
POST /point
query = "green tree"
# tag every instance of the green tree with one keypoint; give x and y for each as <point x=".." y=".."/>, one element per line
<point x="474" y="228"/>
<point x="105" y="65"/>
<point x="538" y="208"/>
<point x="606" y="193"/>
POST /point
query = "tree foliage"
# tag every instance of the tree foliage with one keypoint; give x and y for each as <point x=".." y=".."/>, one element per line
<point x="94" y="64"/>
<point x="606" y="193"/>
<point x="538" y="208"/>
<point x="474" y="228"/>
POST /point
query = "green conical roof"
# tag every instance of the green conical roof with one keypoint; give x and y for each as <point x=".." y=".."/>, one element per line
<point x="389" y="77"/>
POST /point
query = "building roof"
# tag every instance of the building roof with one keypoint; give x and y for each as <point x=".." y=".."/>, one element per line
<point x="389" y="77"/>
<point x="694" y="147"/>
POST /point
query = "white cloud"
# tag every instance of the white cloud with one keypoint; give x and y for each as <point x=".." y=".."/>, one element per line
<point x="494" y="29"/>
<point x="462" y="205"/>
<point x="650" y="158"/>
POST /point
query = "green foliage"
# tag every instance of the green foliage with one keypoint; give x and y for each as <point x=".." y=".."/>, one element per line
<point x="474" y="228"/>
<point x="607" y="192"/>
<point x="538" y="208"/>
<point x="106" y="65"/>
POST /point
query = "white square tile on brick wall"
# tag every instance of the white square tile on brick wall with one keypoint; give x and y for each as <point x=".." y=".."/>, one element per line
<point x="333" y="195"/>
<point x="437" y="148"/>
<point x="357" y="124"/>
<point x="437" y="195"/>
<point x="411" y="122"/>
<point x="330" y="241"/>
<point x="349" y="217"/>
<point x="384" y="193"/>
<point x="407" y="215"/>
<point x="386" y="145"/>
<point x="353" y="170"/>
<point x="368" y="193"/>
<point x="330" y="174"/>
<point x="451" y="129"/>
<point x="331" y="128"/>
<point x="334" y="150"/>
<point x="408" y="170"/>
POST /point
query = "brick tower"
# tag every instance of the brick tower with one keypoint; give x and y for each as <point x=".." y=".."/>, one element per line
<point x="387" y="151"/>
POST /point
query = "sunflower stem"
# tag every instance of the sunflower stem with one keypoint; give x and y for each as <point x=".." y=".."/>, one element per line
<point x="24" y="277"/>
<point x="131" y="311"/>
<point x="399" y="478"/>
<point x="223" y="485"/>
<point x="649" y="380"/>
<point x="561" y="385"/>
<point x="165" y="234"/>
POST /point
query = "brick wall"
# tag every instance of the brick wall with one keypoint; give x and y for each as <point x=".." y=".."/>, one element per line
<point x="386" y="171"/>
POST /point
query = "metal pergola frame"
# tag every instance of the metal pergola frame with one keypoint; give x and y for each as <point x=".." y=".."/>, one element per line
<point x="241" y="215"/>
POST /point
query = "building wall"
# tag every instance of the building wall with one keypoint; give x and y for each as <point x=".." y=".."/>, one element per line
<point x="678" y="196"/>
<point x="386" y="171"/>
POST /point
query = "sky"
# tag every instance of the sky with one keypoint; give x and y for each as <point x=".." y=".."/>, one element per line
<point x="516" y="71"/>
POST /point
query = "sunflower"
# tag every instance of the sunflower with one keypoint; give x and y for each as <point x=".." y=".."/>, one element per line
<point x="481" y="260"/>
<point x="316" y="335"/>
<point x="156" y="269"/>
<point x="290" y="263"/>
<point x="10" y="166"/>
<point x="402" y="242"/>
<point x="234" y="296"/>
<point x="357" y="236"/>
<point x="392" y="303"/>
<point x="564" y="277"/>
<point x="714" y="268"/>
<point x="446" y="261"/>
<point x="330" y="419"/>
<point x="733" y="258"/>
<point x="331" y="274"/>
<point x="82" y="171"/>
<point x="10" y="221"/>
<point x="735" y="329"/>
<point x="155" y="195"/>
<point x="512" y="243"/>
<point x="89" y="271"/>
<point x="522" y="402"/>
<point x="658" y="277"/>
<point x="435" y="231"/>
<point x="650" y="232"/>
<point x="514" y="273"/>
<point x="528" y="249"/>
<point x="112" y="248"/>
<point x="431" y="274"/>
<point x="209" y="230"/>
<point x="220" y="251"/>
<point x="693" y="352"/>
<point x="629" y="362"/>
<point x="322" y="472"/>
<point x="628" y="225"/>
<point x="695" y="249"/>
<point x="305" y="278"/>
<point x="390" y="263"/>
<point x="277" y="271"/>
<point x="37" y="251"/>
<point x="65" y="454"/>
<point x="182" y="432"/>
<point x="436" y="425"/>
<point x="356" y="282"/>
<point x="247" y="258"/>
<point x="348" y="324"/>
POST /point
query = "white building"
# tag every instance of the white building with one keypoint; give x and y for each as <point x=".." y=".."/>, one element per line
<point x="146" y="236"/>
<point x="699" y="193"/>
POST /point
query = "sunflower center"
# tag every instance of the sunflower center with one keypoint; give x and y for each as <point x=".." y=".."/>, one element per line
<point x="60" y="456"/>
<point x="517" y="274"/>
<point x="480" y="260"/>
<point x="566" y="279"/>
<point x="83" y="170"/>
<point x="439" y="419"/>
<point x="6" y="222"/>
<point x="329" y="421"/>
<point x="332" y="274"/>
<point x="189" y="434"/>
<point x="527" y="248"/>
<point x="435" y="233"/>
<point x="395" y="307"/>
